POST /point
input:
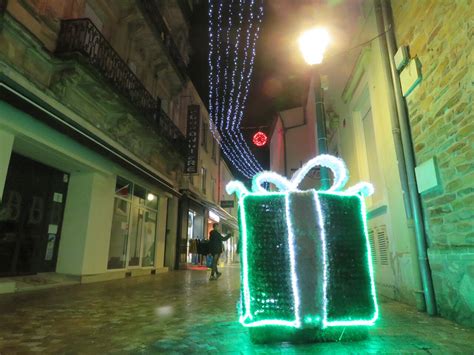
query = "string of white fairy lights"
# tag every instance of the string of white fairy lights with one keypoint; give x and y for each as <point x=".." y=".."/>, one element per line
<point x="228" y="93"/>
<point x="232" y="147"/>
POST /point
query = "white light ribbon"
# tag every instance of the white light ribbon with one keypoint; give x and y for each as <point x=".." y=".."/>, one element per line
<point x="337" y="166"/>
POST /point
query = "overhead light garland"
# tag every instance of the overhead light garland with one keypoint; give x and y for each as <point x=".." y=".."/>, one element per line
<point x="228" y="93"/>
<point x="214" y="73"/>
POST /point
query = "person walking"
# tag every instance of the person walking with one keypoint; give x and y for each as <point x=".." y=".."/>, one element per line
<point x="215" y="248"/>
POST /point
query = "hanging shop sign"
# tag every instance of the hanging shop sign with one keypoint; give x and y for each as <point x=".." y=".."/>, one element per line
<point x="227" y="203"/>
<point x="192" y="137"/>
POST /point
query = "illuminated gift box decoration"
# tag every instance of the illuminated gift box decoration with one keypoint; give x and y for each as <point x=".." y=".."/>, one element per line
<point x="305" y="255"/>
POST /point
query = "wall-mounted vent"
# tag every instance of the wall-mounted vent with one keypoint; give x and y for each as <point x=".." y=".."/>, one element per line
<point x="382" y="241"/>
<point x="373" y="250"/>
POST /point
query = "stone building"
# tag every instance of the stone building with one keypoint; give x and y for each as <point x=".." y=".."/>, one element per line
<point x="93" y="117"/>
<point x="199" y="205"/>
<point x="440" y="109"/>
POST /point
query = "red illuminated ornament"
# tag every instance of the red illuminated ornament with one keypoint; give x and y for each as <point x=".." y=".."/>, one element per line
<point x="260" y="139"/>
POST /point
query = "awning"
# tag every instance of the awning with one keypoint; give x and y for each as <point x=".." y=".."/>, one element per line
<point x="30" y="103"/>
<point x="225" y="216"/>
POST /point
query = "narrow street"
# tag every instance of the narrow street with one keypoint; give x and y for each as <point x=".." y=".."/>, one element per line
<point x="182" y="312"/>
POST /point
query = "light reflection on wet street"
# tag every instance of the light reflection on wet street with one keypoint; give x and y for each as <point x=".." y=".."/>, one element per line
<point x="182" y="312"/>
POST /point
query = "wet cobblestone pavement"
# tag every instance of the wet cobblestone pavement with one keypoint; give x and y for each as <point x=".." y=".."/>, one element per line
<point x="182" y="312"/>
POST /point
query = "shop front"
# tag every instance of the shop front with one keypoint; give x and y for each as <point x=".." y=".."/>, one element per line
<point x="31" y="214"/>
<point x="134" y="227"/>
<point x="192" y="228"/>
<point x="70" y="209"/>
<point x="196" y="221"/>
<point x="228" y="225"/>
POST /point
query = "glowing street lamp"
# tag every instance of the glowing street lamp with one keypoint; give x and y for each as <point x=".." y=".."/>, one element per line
<point x="313" y="44"/>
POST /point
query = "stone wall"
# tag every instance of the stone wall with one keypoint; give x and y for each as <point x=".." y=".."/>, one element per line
<point x="440" y="33"/>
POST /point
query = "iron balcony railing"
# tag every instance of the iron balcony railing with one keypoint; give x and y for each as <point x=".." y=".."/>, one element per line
<point x="81" y="36"/>
<point x="151" y="12"/>
<point x="168" y="126"/>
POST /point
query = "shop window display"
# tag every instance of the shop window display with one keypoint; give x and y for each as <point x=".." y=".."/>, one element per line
<point x="134" y="227"/>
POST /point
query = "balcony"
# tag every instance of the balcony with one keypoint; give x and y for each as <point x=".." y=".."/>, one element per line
<point x="152" y="15"/>
<point x="80" y="37"/>
<point x="169" y="128"/>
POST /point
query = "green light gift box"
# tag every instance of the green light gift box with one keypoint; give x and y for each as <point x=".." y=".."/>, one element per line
<point x="305" y="255"/>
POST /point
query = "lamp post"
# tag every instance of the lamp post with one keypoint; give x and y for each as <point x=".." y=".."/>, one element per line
<point x="313" y="44"/>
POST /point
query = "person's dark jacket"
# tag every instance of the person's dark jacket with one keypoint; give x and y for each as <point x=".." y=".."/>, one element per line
<point x="215" y="242"/>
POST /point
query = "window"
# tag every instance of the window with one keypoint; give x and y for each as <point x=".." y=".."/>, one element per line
<point x="149" y="238"/>
<point x="120" y="220"/>
<point x="214" y="151"/>
<point x="213" y="189"/>
<point x="366" y="147"/>
<point x="204" y="136"/>
<point x="134" y="226"/>
<point x="375" y="175"/>
<point x="203" y="179"/>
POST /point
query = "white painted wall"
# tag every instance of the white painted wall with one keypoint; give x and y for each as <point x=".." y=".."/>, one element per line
<point x="161" y="232"/>
<point x="369" y="81"/>
<point x="277" y="147"/>
<point x="85" y="234"/>
<point x="99" y="224"/>
<point x="172" y="233"/>
<point x="366" y="86"/>
<point x="225" y="177"/>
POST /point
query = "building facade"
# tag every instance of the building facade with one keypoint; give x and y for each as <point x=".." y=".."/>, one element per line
<point x="93" y="108"/>
<point x="439" y="108"/>
<point x="199" y="206"/>
<point x="440" y="111"/>
<point x="364" y="129"/>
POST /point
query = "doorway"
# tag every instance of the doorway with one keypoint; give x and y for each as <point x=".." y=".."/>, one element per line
<point x="31" y="215"/>
<point x="134" y="227"/>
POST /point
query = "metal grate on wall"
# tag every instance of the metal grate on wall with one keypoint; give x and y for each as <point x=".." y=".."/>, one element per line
<point x="382" y="242"/>
<point x="373" y="250"/>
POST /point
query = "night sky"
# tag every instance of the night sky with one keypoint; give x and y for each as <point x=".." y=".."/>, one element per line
<point x="275" y="85"/>
<point x="280" y="77"/>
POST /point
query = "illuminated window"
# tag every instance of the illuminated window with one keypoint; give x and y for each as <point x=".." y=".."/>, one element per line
<point x="134" y="226"/>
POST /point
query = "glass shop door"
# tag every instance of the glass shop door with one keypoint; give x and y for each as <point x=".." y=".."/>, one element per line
<point x="31" y="214"/>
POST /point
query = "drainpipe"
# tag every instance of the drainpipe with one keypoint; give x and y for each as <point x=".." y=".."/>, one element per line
<point x="408" y="153"/>
<point x="392" y="107"/>
<point x="320" y="125"/>
<point x="397" y="140"/>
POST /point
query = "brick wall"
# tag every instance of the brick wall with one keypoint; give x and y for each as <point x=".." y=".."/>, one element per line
<point x="441" y="34"/>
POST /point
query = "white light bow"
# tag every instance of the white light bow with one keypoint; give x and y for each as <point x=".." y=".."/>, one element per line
<point x="337" y="166"/>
